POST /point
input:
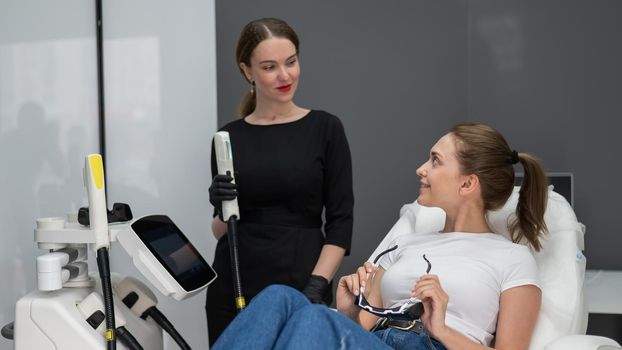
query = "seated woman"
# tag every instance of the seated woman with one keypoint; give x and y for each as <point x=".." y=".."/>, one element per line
<point x="474" y="285"/>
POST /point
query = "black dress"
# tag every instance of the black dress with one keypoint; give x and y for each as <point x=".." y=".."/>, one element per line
<point x="287" y="174"/>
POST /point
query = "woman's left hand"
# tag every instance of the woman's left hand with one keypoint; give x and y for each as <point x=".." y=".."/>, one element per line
<point x="435" y="300"/>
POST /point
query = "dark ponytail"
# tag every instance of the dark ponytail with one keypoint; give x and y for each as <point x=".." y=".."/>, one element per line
<point x="483" y="151"/>
<point x="248" y="104"/>
<point x="532" y="199"/>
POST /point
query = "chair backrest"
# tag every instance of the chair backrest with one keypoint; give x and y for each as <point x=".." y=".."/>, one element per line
<point x="560" y="261"/>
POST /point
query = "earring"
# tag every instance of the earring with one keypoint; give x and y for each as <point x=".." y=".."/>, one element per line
<point x="252" y="87"/>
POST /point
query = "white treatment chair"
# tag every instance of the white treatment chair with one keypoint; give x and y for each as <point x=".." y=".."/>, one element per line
<point x="562" y="321"/>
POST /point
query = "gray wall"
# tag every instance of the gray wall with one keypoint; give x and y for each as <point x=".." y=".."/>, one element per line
<point x="400" y="73"/>
<point x="547" y="74"/>
<point x="394" y="72"/>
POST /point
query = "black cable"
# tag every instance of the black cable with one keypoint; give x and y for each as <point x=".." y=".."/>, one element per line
<point x="166" y="325"/>
<point x="7" y="331"/>
<point x="232" y="234"/>
<point x="103" y="265"/>
<point x="100" y="84"/>
<point x="128" y="339"/>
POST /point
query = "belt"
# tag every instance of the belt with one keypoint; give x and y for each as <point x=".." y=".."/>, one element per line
<point x="403" y="325"/>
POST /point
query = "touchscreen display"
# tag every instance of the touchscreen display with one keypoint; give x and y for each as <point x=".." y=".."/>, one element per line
<point x="173" y="250"/>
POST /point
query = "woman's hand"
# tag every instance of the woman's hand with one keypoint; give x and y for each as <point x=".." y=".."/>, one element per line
<point x="222" y="189"/>
<point x="349" y="288"/>
<point x="435" y="300"/>
<point x="366" y="270"/>
<point x="347" y="291"/>
<point x="363" y="273"/>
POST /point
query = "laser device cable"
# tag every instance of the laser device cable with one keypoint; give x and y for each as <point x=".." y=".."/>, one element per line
<point x="98" y="222"/>
<point x="142" y="302"/>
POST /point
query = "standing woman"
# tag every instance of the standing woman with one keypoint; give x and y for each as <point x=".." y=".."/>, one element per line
<point x="292" y="164"/>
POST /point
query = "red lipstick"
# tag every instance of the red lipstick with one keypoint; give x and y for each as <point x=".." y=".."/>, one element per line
<point x="285" y="88"/>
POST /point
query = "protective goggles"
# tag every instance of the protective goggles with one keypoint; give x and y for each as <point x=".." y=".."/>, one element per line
<point x="412" y="307"/>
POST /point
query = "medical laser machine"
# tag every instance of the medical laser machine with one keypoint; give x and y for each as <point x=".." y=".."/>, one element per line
<point x="67" y="311"/>
<point x="230" y="213"/>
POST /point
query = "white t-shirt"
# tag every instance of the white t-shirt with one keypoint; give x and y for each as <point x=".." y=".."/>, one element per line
<point x="473" y="269"/>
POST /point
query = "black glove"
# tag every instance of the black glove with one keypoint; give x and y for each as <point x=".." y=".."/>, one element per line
<point x="222" y="189"/>
<point x="315" y="289"/>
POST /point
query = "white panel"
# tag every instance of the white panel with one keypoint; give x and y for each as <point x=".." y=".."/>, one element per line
<point x="160" y="76"/>
<point x="48" y="122"/>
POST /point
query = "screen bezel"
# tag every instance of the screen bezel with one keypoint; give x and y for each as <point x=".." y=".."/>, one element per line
<point x="145" y="226"/>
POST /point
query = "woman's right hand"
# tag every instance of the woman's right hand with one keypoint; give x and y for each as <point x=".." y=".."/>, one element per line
<point x="349" y="288"/>
<point x="222" y="189"/>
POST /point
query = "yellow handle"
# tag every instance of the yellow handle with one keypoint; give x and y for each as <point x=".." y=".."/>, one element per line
<point x="97" y="169"/>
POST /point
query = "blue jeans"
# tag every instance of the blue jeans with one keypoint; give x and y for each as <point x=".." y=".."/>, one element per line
<point x="281" y="317"/>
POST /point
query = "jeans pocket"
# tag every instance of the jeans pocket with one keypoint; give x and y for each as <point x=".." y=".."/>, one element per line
<point x="430" y="343"/>
<point x="434" y="344"/>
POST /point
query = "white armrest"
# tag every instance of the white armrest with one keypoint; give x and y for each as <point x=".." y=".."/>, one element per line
<point x="583" y="342"/>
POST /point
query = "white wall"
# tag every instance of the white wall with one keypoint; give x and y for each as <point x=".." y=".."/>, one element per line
<point x="48" y="122"/>
<point x="160" y="71"/>
<point x="160" y="66"/>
